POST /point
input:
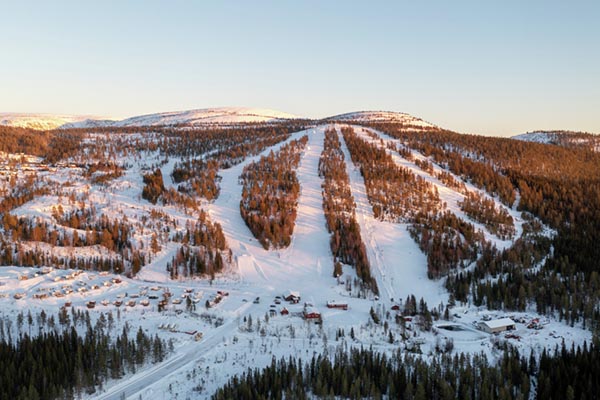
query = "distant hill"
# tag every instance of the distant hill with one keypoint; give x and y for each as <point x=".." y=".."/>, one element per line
<point x="382" y="116"/>
<point x="199" y="117"/>
<point x="41" y="121"/>
<point x="219" y="116"/>
<point x="562" y="138"/>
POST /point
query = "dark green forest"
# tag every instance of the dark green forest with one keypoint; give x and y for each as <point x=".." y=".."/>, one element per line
<point x="65" y="365"/>
<point x="365" y="374"/>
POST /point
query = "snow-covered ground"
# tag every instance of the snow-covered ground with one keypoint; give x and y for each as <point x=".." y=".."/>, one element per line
<point x="255" y="282"/>
<point x="449" y="196"/>
<point x="537" y="137"/>
<point x="396" y="261"/>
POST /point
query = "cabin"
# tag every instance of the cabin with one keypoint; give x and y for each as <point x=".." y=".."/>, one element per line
<point x="91" y="304"/>
<point x="311" y="313"/>
<point x="497" y="325"/>
<point x="292" y="296"/>
<point x="337" y="304"/>
<point x="284" y="311"/>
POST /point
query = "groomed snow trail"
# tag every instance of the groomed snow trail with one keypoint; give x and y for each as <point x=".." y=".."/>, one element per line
<point x="451" y="197"/>
<point x="308" y="258"/>
<point x="305" y="266"/>
<point x="396" y="261"/>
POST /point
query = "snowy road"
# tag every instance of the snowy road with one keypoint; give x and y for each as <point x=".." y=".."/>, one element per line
<point x="131" y="386"/>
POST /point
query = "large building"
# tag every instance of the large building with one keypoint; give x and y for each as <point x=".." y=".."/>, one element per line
<point x="497" y="325"/>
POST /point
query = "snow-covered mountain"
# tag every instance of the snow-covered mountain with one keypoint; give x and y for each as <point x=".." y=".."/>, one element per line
<point x="199" y="117"/>
<point x="537" y="137"/>
<point x="382" y="116"/>
<point x="41" y="121"/>
<point x="562" y="138"/>
<point x="222" y="116"/>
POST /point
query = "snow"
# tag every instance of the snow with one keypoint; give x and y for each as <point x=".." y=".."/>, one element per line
<point x="451" y="197"/>
<point x="382" y="116"/>
<point x="497" y="323"/>
<point x="206" y="116"/>
<point x="42" y="121"/>
<point x="396" y="261"/>
<point x="197" y="117"/>
<point x="536" y="137"/>
<point x="229" y="346"/>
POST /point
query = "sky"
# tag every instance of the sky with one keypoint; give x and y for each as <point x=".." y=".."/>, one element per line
<point x="485" y="67"/>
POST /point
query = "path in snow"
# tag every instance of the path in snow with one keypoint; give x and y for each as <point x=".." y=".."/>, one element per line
<point x="396" y="261"/>
<point x="448" y="195"/>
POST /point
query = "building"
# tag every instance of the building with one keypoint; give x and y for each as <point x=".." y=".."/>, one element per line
<point x="311" y="313"/>
<point x="337" y="304"/>
<point x="497" y="325"/>
<point x="291" y="296"/>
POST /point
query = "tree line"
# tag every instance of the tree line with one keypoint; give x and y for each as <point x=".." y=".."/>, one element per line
<point x="204" y="251"/>
<point x="270" y="191"/>
<point x="360" y="373"/>
<point x="346" y="242"/>
<point x="560" y="186"/>
<point x="395" y="193"/>
<point x="67" y="364"/>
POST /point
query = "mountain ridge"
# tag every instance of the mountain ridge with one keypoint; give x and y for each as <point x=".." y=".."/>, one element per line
<point x="196" y="117"/>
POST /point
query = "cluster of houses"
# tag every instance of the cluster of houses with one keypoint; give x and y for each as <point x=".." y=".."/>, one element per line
<point x="310" y="312"/>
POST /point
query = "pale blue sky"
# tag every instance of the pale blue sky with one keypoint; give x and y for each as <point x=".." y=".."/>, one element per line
<point x="484" y="67"/>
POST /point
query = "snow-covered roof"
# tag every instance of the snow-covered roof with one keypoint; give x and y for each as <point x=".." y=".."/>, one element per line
<point x="293" y="293"/>
<point x="311" y="310"/>
<point x="497" y="323"/>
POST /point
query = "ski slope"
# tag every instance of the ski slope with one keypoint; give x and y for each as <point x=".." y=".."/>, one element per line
<point x="196" y="369"/>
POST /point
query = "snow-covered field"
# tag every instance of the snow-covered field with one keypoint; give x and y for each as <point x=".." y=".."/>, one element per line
<point x="246" y="329"/>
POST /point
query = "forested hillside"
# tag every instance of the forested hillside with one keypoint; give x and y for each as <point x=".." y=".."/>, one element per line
<point x="559" y="185"/>
<point x="467" y="265"/>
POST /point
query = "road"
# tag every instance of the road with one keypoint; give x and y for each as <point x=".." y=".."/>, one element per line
<point x="129" y="387"/>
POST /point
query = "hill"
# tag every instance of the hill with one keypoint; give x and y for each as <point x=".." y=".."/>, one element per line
<point x="381" y="116"/>
<point x="207" y="116"/>
<point x="241" y="242"/>
<point x="563" y="138"/>
<point x="41" y="121"/>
